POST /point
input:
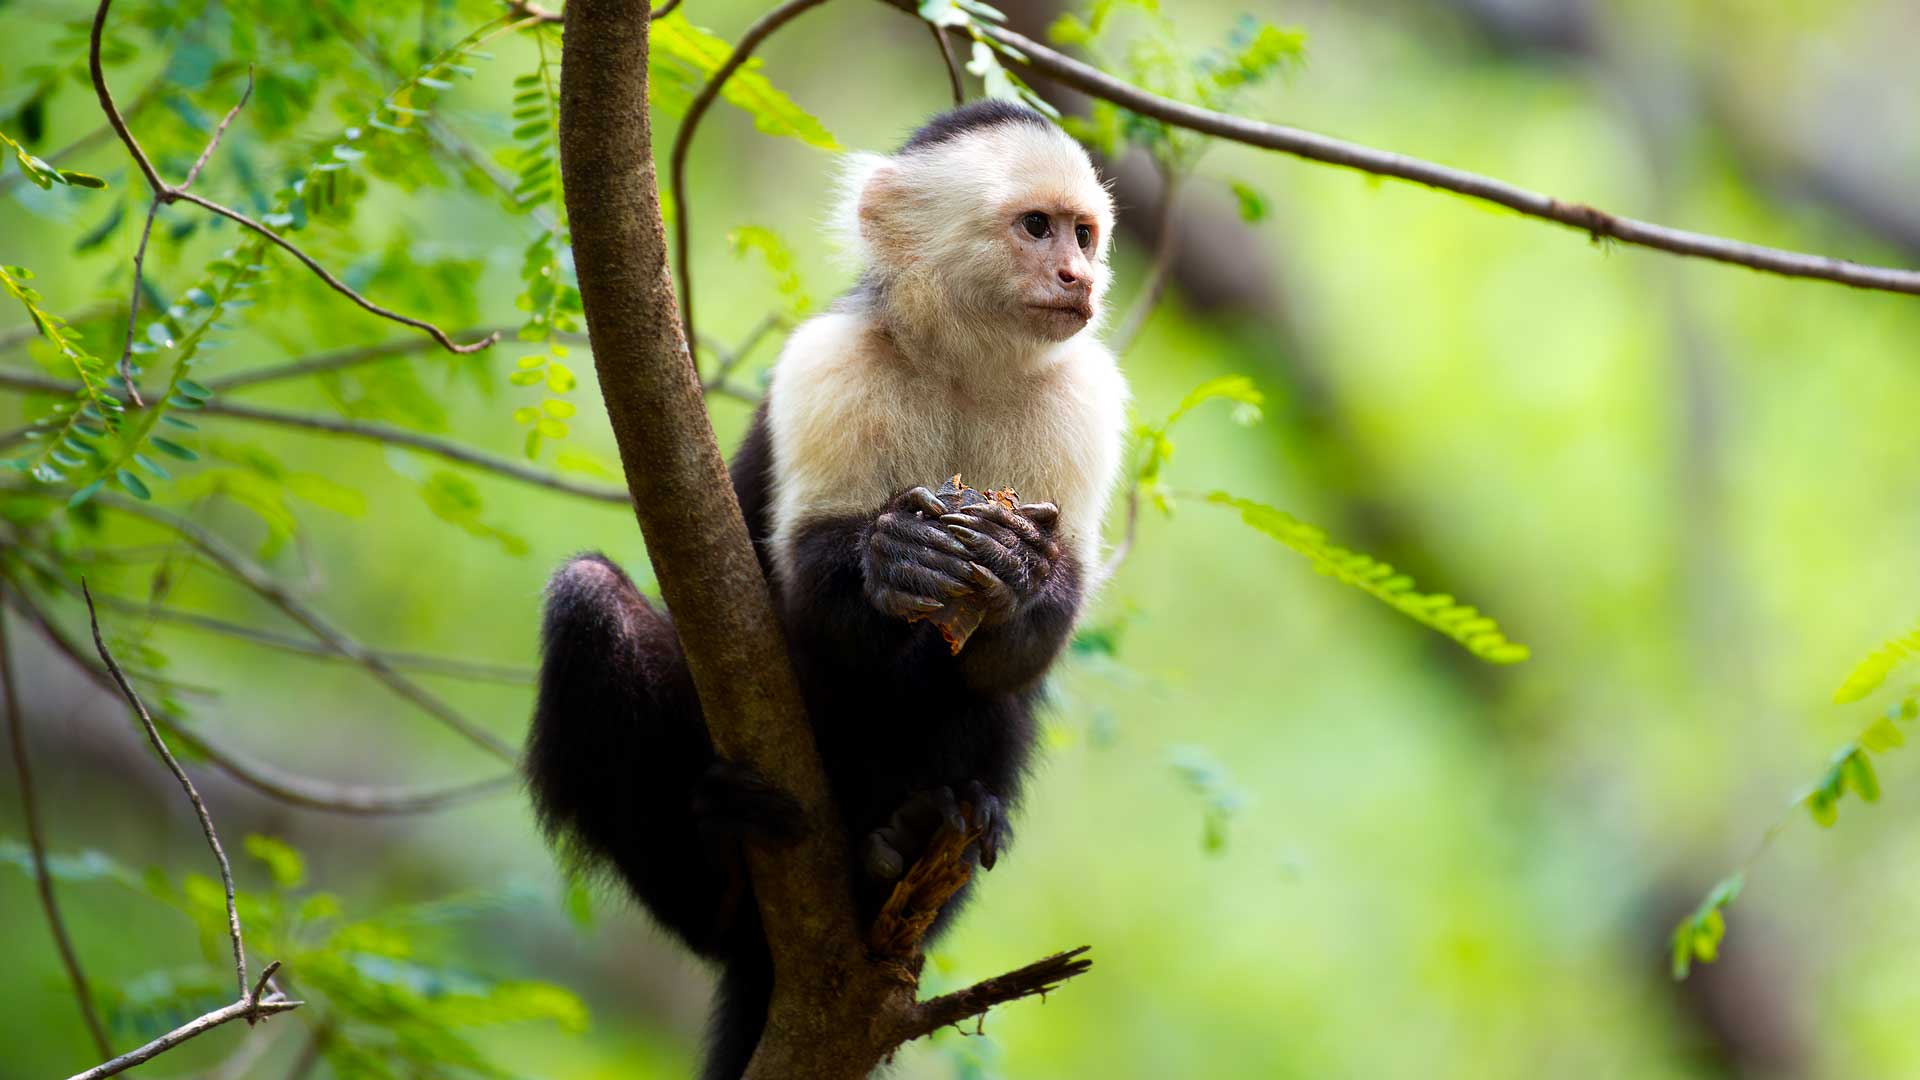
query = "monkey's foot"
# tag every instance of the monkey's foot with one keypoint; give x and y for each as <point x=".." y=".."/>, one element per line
<point x="976" y="812"/>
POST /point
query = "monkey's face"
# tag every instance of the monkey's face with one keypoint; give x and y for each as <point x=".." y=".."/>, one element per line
<point x="1053" y="251"/>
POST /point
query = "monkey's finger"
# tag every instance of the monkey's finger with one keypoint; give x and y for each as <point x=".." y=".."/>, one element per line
<point x="895" y="551"/>
<point x="1024" y="561"/>
<point x="911" y="530"/>
<point x="1000" y="599"/>
<point x="903" y="605"/>
<point x="1044" y="514"/>
<point x="1017" y="524"/>
<point x="924" y="501"/>
<point x="981" y="546"/>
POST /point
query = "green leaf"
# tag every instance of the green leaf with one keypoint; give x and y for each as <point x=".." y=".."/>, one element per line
<point x="1477" y="633"/>
<point x="773" y="112"/>
<point x="1873" y="670"/>
<point x="1699" y="935"/>
<point x="289" y="870"/>
<point x="168" y="446"/>
<point x="133" y="484"/>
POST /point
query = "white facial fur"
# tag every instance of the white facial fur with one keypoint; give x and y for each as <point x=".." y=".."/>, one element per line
<point x="940" y="232"/>
<point x="944" y="365"/>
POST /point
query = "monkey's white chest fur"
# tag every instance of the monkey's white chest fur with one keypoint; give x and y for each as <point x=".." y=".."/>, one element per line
<point x="852" y="424"/>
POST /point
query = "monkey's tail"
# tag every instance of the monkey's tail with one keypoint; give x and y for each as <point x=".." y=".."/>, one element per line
<point x="739" y="1014"/>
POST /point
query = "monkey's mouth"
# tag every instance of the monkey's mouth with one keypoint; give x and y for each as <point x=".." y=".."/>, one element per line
<point x="1083" y="312"/>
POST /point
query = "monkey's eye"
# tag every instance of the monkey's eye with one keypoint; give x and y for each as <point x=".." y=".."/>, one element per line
<point x="1084" y="234"/>
<point x="1037" y="225"/>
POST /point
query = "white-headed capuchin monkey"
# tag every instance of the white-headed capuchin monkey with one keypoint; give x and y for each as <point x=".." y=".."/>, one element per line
<point x="964" y="349"/>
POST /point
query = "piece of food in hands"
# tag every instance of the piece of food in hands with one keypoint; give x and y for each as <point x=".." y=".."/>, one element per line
<point x="962" y="616"/>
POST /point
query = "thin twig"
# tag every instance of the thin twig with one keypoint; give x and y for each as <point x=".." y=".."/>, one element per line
<point x="394" y="436"/>
<point x="247" y="1008"/>
<point x="1125" y="546"/>
<point x="953" y="64"/>
<point x="37" y="845"/>
<point x="451" y="667"/>
<point x="214" y="142"/>
<point x="683" y="140"/>
<point x="133" y="305"/>
<point x="193" y="795"/>
<point x="267" y="588"/>
<point x="381" y="433"/>
<point x="290" y="788"/>
<point x="168" y="193"/>
<point x="731" y="359"/>
<point x="1166" y="242"/>
<point x="353" y="356"/>
<point x="1599" y="224"/>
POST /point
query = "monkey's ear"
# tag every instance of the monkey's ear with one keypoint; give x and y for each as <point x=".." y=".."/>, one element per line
<point x="869" y="193"/>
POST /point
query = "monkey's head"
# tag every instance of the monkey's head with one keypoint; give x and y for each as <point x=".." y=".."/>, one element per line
<point x="989" y="223"/>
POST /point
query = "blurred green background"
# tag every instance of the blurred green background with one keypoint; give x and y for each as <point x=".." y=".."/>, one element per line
<point x="1689" y="488"/>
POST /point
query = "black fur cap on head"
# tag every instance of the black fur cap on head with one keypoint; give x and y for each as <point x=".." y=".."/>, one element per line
<point x="970" y="117"/>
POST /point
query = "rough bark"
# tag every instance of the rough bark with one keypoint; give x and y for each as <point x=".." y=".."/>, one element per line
<point x="837" y="1009"/>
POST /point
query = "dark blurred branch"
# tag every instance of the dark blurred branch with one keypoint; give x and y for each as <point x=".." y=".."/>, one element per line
<point x="1599" y="224"/>
<point x="164" y="192"/>
<point x="37" y="846"/>
<point x="683" y="141"/>
<point x="1166" y="241"/>
<point x="263" y="585"/>
<point x="953" y="65"/>
<point x="333" y="360"/>
<point x="290" y="788"/>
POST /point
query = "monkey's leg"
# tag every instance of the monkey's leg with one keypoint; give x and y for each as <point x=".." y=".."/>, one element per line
<point x="621" y="770"/>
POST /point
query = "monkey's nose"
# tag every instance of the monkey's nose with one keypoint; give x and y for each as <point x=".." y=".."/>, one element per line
<point x="1068" y="276"/>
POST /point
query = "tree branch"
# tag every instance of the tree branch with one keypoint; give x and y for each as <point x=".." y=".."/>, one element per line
<point x="295" y="790"/>
<point x="251" y="1008"/>
<point x="836" y="1009"/>
<point x="1599" y="224"/>
<point x="1039" y="978"/>
<point x="37" y="845"/>
<point x="394" y="436"/>
<point x="683" y="141"/>
<point x="358" y="429"/>
<point x="164" y="192"/>
<point x="953" y="65"/>
<point x="270" y="590"/>
<point x="193" y="796"/>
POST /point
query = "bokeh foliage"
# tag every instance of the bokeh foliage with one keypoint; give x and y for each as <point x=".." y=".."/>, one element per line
<point x="1290" y="818"/>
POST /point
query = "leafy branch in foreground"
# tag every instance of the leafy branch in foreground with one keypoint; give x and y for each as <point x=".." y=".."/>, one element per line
<point x="1475" y="631"/>
<point x="1849" y="769"/>
<point x="44" y="174"/>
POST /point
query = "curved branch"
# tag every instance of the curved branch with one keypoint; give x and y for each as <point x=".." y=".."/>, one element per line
<point x="953" y="65"/>
<point x="394" y="436"/>
<point x="270" y="590"/>
<point x="269" y="780"/>
<point x="37" y="846"/>
<point x="683" y="140"/>
<point x="164" y="192"/>
<point x="1599" y="224"/>
<point x="249" y="1008"/>
<point x="193" y="796"/>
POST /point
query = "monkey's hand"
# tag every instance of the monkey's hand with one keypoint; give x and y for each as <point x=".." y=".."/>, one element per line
<point x="1012" y="552"/>
<point x="912" y="565"/>
<point x="894" y="847"/>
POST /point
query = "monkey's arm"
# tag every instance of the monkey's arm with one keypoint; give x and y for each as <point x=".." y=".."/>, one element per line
<point x="620" y="767"/>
